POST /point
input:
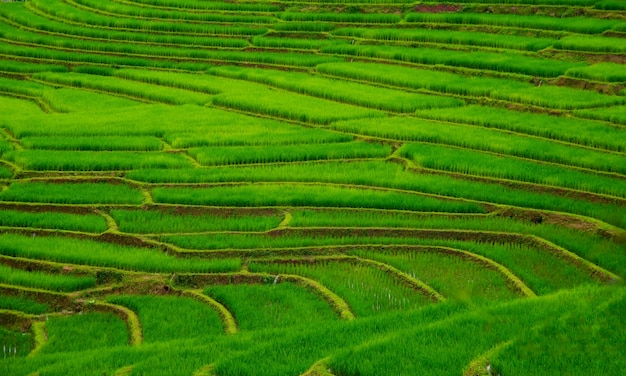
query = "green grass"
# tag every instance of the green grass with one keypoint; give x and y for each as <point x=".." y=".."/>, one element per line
<point x="47" y="281"/>
<point x="11" y="107"/>
<point x="85" y="331"/>
<point x="73" y="100"/>
<point x="21" y="67"/>
<point x="345" y="92"/>
<point x="578" y="131"/>
<point x="269" y="306"/>
<point x="504" y="61"/>
<point x="22" y="304"/>
<point x="288" y="153"/>
<point x="52" y="220"/>
<point x="62" y="160"/>
<point x="306" y="195"/>
<point x="370" y="173"/>
<point x="608" y="72"/>
<point x="102" y="143"/>
<point x="367" y="290"/>
<point x="447" y="37"/>
<point x="178" y="221"/>
<point x="72" y="193"/>
<point x="592" y="44"/>
<point x="127" y="88"/>
<point x="585" y="25"/>
<point x="477" y="163"/>
<point x="615" y="114"/>
<point x="88" y="252"/>
<point x="481" y="139"/>
<point x="452" y="276"/>
<point x="374" y="18"/>
<point x="456" y="84"/>
<point x="156" y="313"/>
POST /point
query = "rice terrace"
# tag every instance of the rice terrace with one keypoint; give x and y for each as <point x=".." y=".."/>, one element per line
<point x="312" y="187"/>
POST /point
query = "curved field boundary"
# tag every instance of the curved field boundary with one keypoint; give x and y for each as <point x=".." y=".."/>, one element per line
<point x="480" y="366"/>
<point x="130" y="318"/>
<point x="336" y="302"/>
<point x="124" y="371"/>
<point x="585" y="265"/>
<point x="40" y="337"/>
<point x="228" y="320"/>
<point x="318" y="368"/>
<point x="511" y="279"/>
<point x="412" y="283"/>
<point x="465" y="235"/>
<point x="15" y="320"/>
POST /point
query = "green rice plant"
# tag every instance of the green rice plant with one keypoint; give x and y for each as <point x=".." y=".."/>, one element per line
<point x="478" y="163"/>
<point x="288" y="153"/>
<point x="153" y="120"/>
<point x="291" y="106"/>
<point x="447" y="37"/>
<point x="450" y="83"/>
<point x="11" y="66"/>
<point x="178" y="221"/>
<point x="42" y="280"/>
<point x="368" y="290"/>
<point x="98" y="143"/>
<point x="17" y="345"/>
<point x="80" y="17"/>
<point x="5" y="173"/>
<point x="304" y="26"/>
<point x="361" y="18"/>
<point x="481" y="139"/>
<point x="366" y="173"/>
<point x="23" y="304"/>
<point x="571" y="351"/>
<point x="585" y="25"/>
<point x="453" y="276"/>
<point x="75" y="100"/>
<point x="610" y="5"/>
<point x="122" y="10"/>
<point x="294" y="43"/>
<point x="306" y="195"/>
<point x="504" y="61"/>
<point x="541" y="270"/>
<point x="23" y="87"/>
<point x="11" y="107"/>
<point x="79" y="332"/>
<point x="342" y="91"/>
<point x="89" y="252"/>
<point x="210" y="5"/>
<point x="164" y="318"/>
<point x="72" y="193"/>
<point x="584" y="132"/>
<point x="592" y="44"/>
<point x="607" y="72"/>
<point x="62" y="160"/>
<point x="265" y="132"/>
<point x="589" y="246"/>
<point x="267" y="306"/>
<point x="142" y="52"/>
<point x="34" y="22"/>
<point x="127" y="88"/>
<point x="52" y="220"/>
<point x="455" y="343"/>
<point x="613" y="114"/>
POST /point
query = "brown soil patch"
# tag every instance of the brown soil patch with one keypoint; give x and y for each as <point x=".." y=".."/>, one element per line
<point x="437" y="8"/>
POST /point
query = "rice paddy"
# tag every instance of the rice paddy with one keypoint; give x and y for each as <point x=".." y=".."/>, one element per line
<point x="312" y="188"/>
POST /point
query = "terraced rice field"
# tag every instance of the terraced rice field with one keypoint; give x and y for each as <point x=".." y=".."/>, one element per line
<point x="322" y="187"/>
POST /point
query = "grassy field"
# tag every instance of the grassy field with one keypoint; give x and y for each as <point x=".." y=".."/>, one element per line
<point x="316" y="188"/>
